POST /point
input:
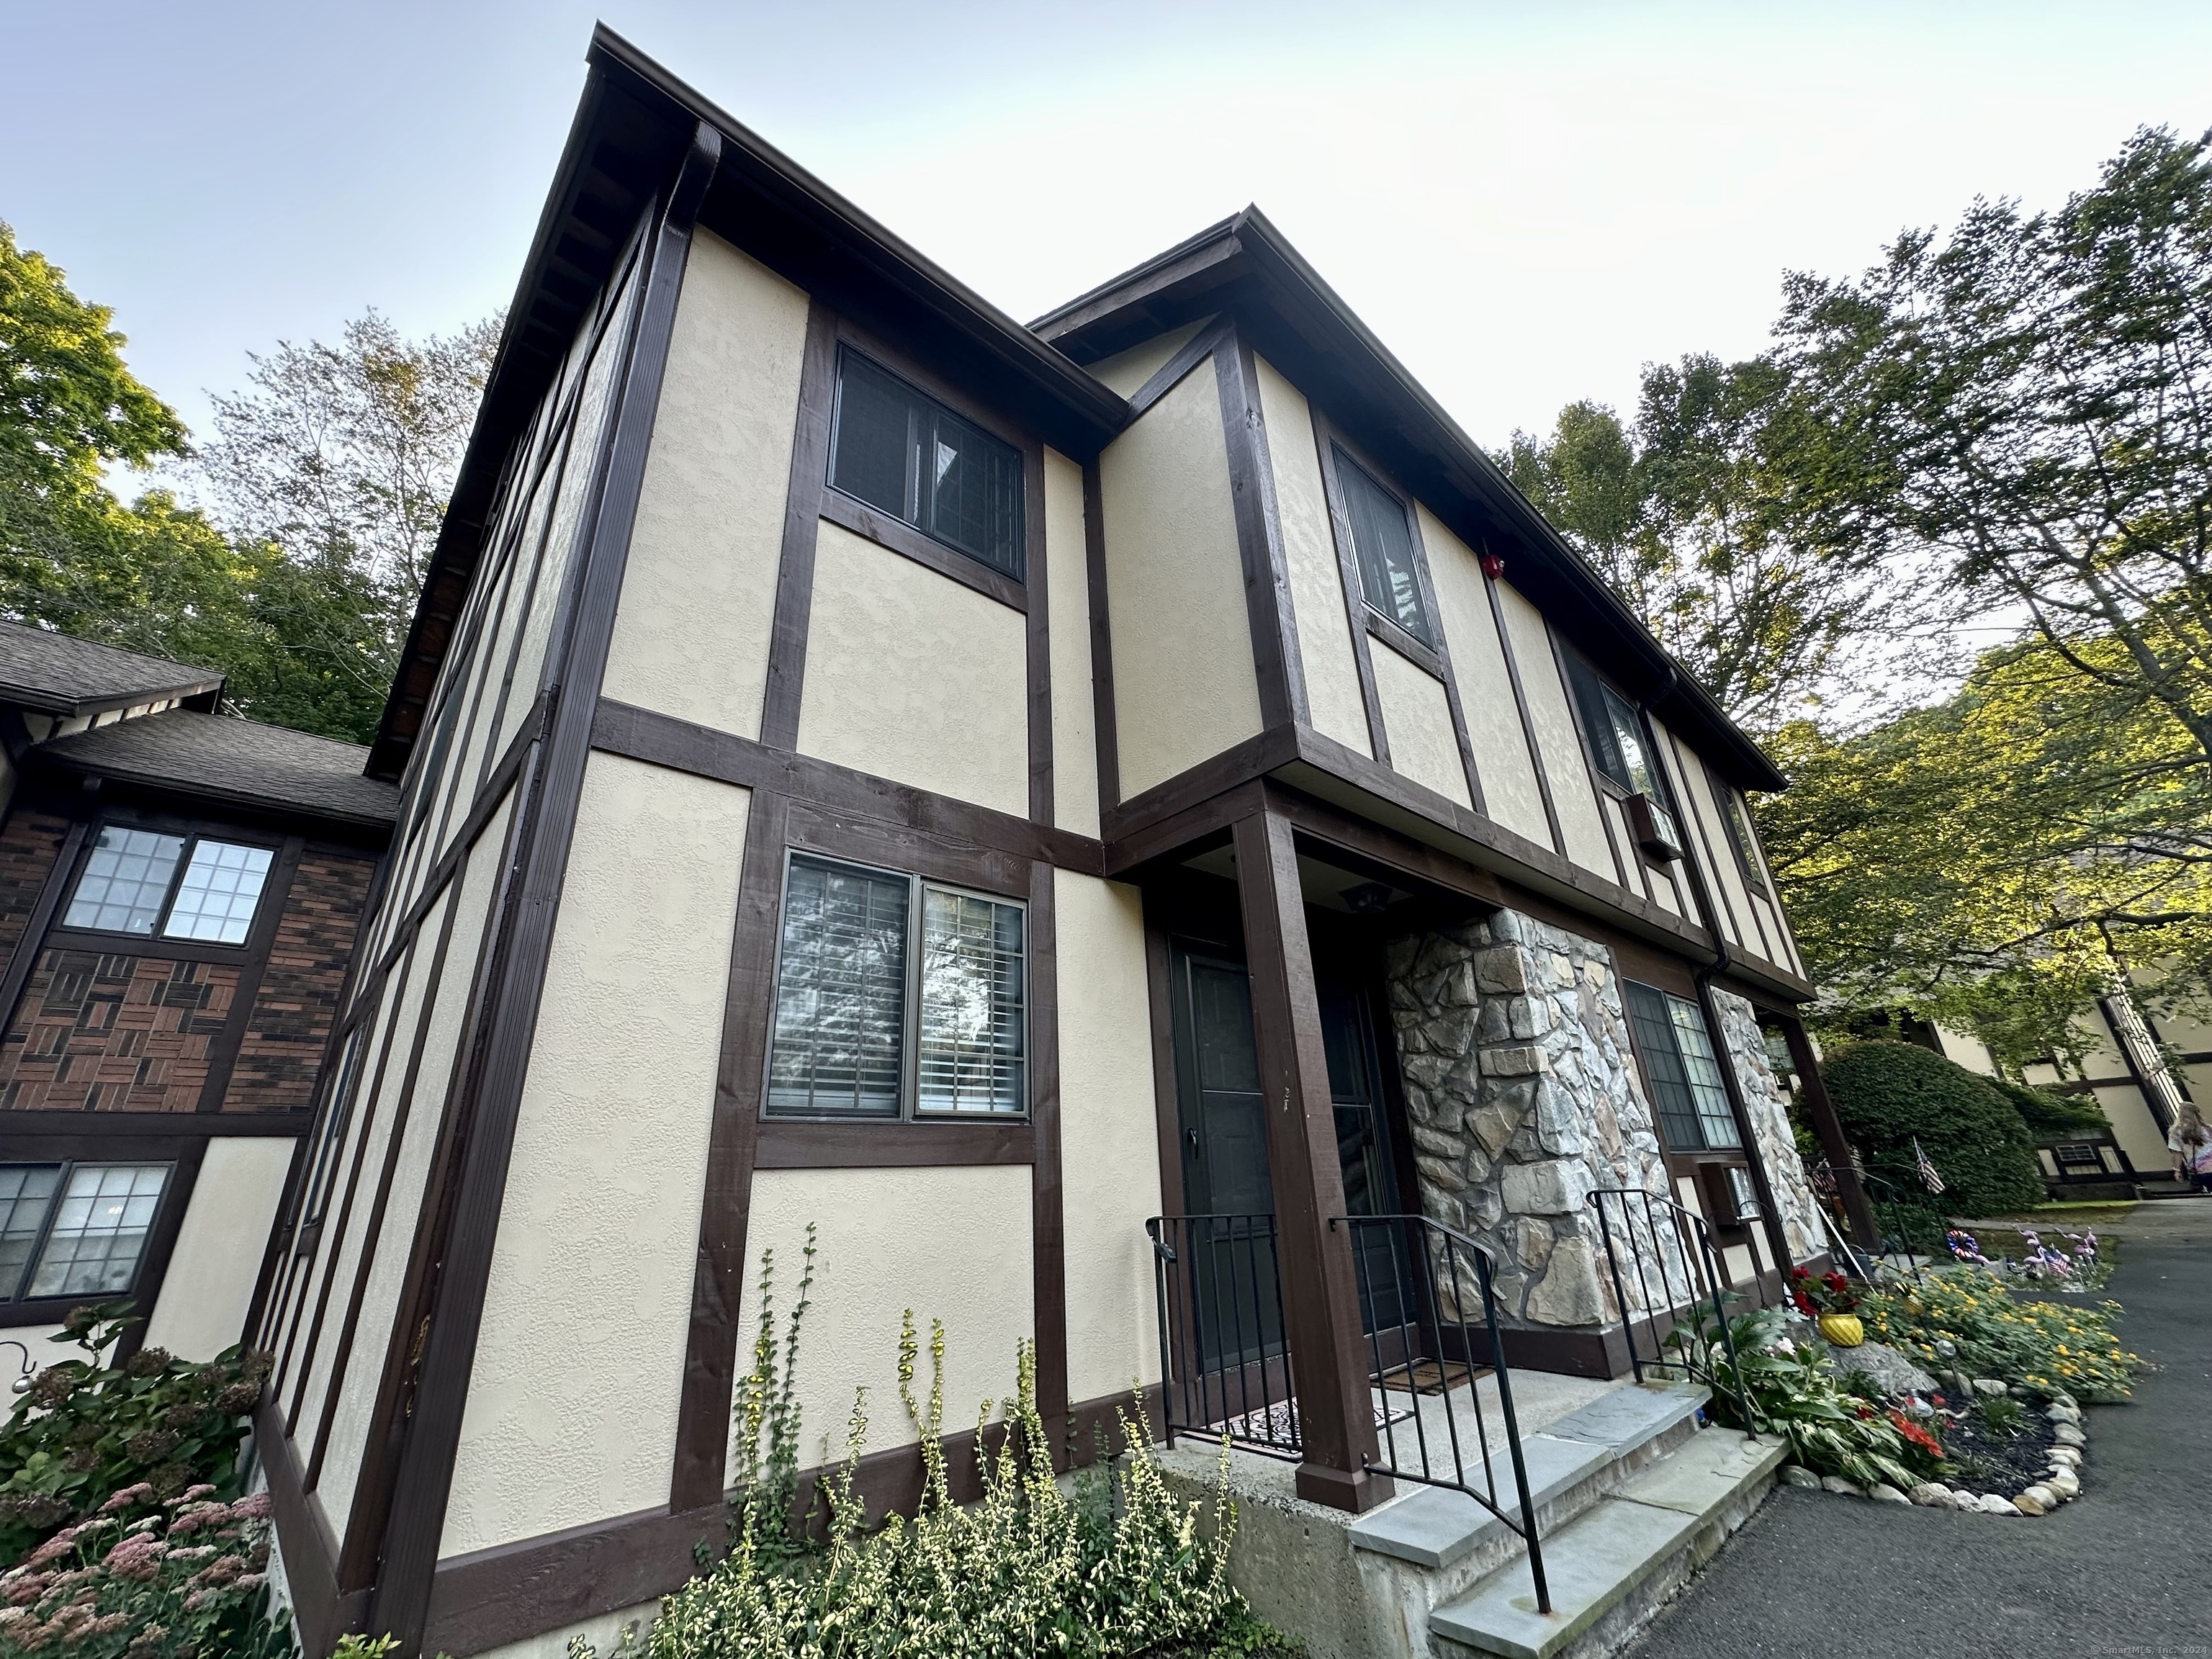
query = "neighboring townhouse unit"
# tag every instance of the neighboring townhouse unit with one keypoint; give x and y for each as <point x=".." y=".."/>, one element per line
<point x="179" y="893"/>
<point x="971" y="791"/>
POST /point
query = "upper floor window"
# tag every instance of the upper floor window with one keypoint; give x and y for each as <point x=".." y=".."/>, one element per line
<point x="75" y="1229"/>
<point x="1609" y="722"/>
<point x="140" y="881"/>
<point x="1739" y="827"/>
<point x="1382" y="547"/>
<point x="896" y="997"/>
<point x="908" y="455"/>
<point x="1686" y="1089"/>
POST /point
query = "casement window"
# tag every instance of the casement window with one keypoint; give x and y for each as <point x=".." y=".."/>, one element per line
<point x="75" y="1229"/>
<point x="908" y="455"/>
<point x="1682" y="1069"/>
<point x="1738" y="815"/>
<point x="1609" y="723"/>
<point x="156" y="885"/>
<point x="1382" y="547"/>
<point x="896" y="997"/>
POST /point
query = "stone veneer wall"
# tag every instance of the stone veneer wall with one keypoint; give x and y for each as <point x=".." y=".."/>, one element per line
<point x="1522" y="1097"/>
<point x="1766" y="1099"/>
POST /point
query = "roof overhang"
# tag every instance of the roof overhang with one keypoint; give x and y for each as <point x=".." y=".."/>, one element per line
<point x="1244" y="267"/>
<point x="45" y="702"/>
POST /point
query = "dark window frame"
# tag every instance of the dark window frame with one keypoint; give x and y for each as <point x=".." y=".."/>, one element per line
<point x="1345" y="466"/>
<point x="15" y="1299"/>
<point x="1736" y="823"/>
<point x="61" y="931"/>
<point x="908" y="1091"/>
<point x="917" y="519"/>
<point x="1601" y="697"/>
<point x="1668" y="1118"/>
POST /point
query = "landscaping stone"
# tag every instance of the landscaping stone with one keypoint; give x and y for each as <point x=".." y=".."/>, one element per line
<point x="2066" y="1484"/>
<point x="2027" y="1503"/>
<point x="1882" y="1492"/>
<point x="1796" y="1474"/>
<point x="1993" y="1505"/>
<point x="2068" y="1454"/>
<point x="2042" y="1494"/>
<point x="1836" y="1483"/>
<point x="1990" y="1388"/>
<point x="1893" y="1373"/>
<point x="1933" y="1495"/>
<point x="2067" y="1435"/>
<point x="2065" y="1414"/>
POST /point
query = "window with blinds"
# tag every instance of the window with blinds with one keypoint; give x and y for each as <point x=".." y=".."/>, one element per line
<point x="896" y="997"/>
<point x="1382" y="547"/>
<point x="908" y="455"/>
<point x="1684" y="1072"/>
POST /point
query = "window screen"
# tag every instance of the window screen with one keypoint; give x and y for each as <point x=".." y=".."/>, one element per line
<point x="1382" y="547"/>
<point x="130" y="884"/>
<point x="1609" y="721"/>
<point x="910" y="455"/>
<point x="840" y="994"/>
<point x="1686" y="1087"/>
<point x="970" y="1055"/>
<point x="98" y="1228"/>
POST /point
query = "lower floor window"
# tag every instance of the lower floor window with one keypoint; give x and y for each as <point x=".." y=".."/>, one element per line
<point x="75" y="1229"/>
<point x="896" y="996"/>
<point x="1684" y="1072"/>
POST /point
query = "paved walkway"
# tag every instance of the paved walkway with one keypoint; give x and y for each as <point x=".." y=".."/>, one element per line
<point x="2126" y="1569"/>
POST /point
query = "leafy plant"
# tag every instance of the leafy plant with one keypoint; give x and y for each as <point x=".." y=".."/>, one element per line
<point x="2000" y="1414"/>
<point x="148" y="1578"/>
<point x="1963" y="1318"/>
<point x="1813" y="1295"/>
<point x="83" y="1432"/>
<point x="1889" y="1095"/>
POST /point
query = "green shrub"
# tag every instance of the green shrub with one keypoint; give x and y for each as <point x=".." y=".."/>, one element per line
<point x="84" y="1433"/>
<point x="1888" y="1094"/>
<point x="2048" y="1115"/>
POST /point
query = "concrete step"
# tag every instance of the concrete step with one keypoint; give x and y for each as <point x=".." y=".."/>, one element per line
<point x="1612" y="1566"/>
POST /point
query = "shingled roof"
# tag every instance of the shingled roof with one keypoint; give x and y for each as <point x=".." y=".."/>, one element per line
<point x="240" y="763"/>
<point x="61" y="674"/>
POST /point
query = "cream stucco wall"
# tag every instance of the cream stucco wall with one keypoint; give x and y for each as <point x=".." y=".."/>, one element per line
<point x="1109" y="1136"/>
<point x="1325" y="619"/>
<point x="357" y="1389"/>
<point x="1127" y="371"/>
<point x="699" y="596"/>
<point x="1510" y="793"/>
<point x="571" y="1414"/>
<point x="1573" y="794"/>
<point x="952" y="1244"/>
<point x="1417" y="718"/>
<point x="1067" y="590"/>
<point x="1184" y="684"/>
<point x="912" y="675"/>
<point x="202" y="1309"/>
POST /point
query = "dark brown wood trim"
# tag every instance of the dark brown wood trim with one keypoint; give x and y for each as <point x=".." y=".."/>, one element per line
<point x="1048" y="1230"/>
<point x="889" y="1143"/>
<point x="661" y="740"/>
<point x="1420" y="654"/>
<point x="160" y="1245"/>
<point x="1108" y="732"/>
<point x="321" y="1613"/>
<point x="272" y="1252"/>
<point x="1159" y="971"/>
<point x="1039" y="635"/>
<point x="902" y="538"/>
<point x="1828" y="1129"/>
<point x="802" y="517"/>
<point x="1499" y="621"/>
<point x="1321" y="1307"/>
<point x="223" y="1052"/>
<point x="864" y="840"/>
<point x="451" y="1304"/>
<point x="1171" y="373"/>
<point x="1268" y="605"/>
<point x="1679" y="785"/>
<point x="1444" y="670"/>
<point x="1355" y="592"/>
<point x="149" y="945"/>
<point x="1589" y="765"/>
<point x="38" y="925"/>
<point x="710" y="1351"/>
<point x="97" y="1129"/>
<point x="1128" y="827"/>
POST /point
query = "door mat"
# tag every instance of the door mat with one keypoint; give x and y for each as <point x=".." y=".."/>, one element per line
<point x="1277" y="1425"/>
<point x="1426" y="1377"/>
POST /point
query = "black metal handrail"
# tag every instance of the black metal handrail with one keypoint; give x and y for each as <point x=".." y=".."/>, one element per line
<point x="1226" y="1369"/>
<point x="1692" y="1283"/>
<point x="1431" y="1315"/>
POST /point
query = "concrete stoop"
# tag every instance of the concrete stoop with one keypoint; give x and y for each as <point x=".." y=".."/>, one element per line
<point x="1631" y="1495"/>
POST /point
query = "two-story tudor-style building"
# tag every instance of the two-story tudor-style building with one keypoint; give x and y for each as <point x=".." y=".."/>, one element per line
<point x="179" y="893"/>
<point x="970" y="789"/>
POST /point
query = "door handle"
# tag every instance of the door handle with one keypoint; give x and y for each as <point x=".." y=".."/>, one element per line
<point x="1193" y="1133"/>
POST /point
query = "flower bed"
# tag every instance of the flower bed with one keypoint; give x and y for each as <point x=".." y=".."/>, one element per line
<point x="1963" y="1319"/>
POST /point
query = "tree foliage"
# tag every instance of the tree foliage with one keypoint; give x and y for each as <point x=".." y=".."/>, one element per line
<point x="1889" y="1096"/>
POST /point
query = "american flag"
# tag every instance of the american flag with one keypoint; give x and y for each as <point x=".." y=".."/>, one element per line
<point x="1925" y="1168"/>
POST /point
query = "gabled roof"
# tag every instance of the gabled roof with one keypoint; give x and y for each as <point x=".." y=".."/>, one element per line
<point x="235" y="762"/>
<point x="60" y="674"/>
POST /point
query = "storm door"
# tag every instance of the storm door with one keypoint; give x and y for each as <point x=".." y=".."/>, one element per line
<point x="1380" y="1268"/>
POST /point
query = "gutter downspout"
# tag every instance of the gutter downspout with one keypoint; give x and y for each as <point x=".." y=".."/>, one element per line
<point x="1777" y="1242"/>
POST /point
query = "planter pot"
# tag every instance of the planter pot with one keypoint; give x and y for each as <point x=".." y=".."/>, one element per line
<point x="1841" y="1330"/>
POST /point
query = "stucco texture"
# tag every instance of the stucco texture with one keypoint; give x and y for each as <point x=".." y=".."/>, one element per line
<point x="1317" y="598"/>
<point x="1067" y="590"/>
<point x="1184" y="684"/>
<point x="951" y="1244"/>
<point x="1573" y="793"/>
<point x="1127" y="371"/>
<point x="571" y="1406"/>
<point x="1511" y="793"/>
<point x="698" y="597"/>
<point x="1417" y="717"/>
<point x="219" y="1247"/>
<point x="1110" y="1138"/>
<point x="914" y="677"/>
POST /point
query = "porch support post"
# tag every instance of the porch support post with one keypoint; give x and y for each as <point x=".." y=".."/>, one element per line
<point x="1321" y="1309"/>
<point x="1829" y="1129"/>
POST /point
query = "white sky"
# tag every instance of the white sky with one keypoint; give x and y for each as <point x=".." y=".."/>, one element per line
<point x="1525" y="202"/>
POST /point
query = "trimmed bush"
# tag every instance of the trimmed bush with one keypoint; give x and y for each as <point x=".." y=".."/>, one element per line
<point x="2049" y="1117"/>
<point x="1888" y="1094"/>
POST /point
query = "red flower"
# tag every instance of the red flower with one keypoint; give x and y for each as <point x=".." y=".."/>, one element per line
<point x="1804" y="1303"/>
<point x="1836" y="1282"/>
<point x="1915" y="1436"/>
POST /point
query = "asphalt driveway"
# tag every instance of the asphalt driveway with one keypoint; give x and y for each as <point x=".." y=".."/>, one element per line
<point x="2126" y="1569"/>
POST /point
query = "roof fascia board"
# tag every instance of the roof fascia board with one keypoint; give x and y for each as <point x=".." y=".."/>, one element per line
<point x="46" y="702"/>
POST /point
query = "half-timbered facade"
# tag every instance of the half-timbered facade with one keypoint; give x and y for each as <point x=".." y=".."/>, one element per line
<point x="970" y="790"/>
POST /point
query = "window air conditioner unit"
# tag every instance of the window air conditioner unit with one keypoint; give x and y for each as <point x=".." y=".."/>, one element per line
<point x="1654" y="828"/>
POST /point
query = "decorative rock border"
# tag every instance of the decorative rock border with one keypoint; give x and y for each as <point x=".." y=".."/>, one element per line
<point x="2061" y="1483"/>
